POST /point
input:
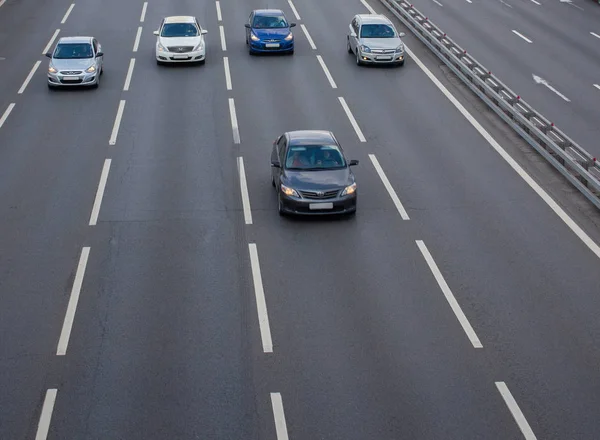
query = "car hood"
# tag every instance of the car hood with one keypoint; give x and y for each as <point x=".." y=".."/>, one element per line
<point x="381" y="43"/>
<point x="271" y="33"/>
<point x="180" y="41"/>
<point x="72" y="64"/>
<point x="318" y="180"/>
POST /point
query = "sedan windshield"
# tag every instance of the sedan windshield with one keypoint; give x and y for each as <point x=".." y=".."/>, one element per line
<point x="377" y="31"/>
<point x="179" y="30"/>
<point x="66" y="51"/>
<point x="314" y="157"/>
<point x="269" y="22"/>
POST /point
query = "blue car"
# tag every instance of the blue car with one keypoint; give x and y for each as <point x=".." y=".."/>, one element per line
<point x="268" y="30"/>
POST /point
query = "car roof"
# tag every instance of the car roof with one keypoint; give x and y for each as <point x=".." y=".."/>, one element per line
<point x="180" y="19"/>
<point x="309" y="137"/>
<point x="374" y="19"/>
<point x="75" y="40"/>
<point x="267" y="12"/>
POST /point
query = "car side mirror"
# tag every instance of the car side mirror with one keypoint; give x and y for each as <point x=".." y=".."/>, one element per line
<point x="204" y="32"/>
<point x="100" y="54"/>
<point x="155" y="33"/>
<point x="292" y="25"/>
<point x="275" y="164"/>
<point x="247" y="25"/>
<point x="49" y="54"/>
<point x="402" y="34"/>
<point x="353" y="34"/>
<point x="353" y="163"/>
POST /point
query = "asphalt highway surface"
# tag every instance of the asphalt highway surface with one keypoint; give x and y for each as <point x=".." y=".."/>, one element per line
<point x="149" y="289"/>
<point x="557" y="41"/>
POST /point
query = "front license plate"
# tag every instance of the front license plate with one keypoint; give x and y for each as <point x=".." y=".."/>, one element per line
<point x="317" y="206"/>
<point x="180" y="57"/>
<point x="272" y="45"/>
<point x="70" y="78"/>
<point x="384" y="58"/>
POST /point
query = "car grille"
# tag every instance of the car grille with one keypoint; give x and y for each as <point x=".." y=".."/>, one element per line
<point x="383" y="51"/>
<point x="319" y="195"/>
<point x="71" y="81"/>
<point x="71" y="72"/>
<point x="271" y="41"/>
<point x="180" y="49"/>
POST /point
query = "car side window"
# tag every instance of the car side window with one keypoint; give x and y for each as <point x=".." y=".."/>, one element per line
<point x="250" y="18"/>
<point x="355" y="26"/>
<point x="95" y="44"/>
<point x="281" y="149"/>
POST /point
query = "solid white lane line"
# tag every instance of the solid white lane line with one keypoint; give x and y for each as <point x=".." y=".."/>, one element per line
<point x="117" y="124"/>
<point x="129" y="73"/>
<point x="308" y="37"/>
<point x="234" y="122"/>
<point x="136" y="43"/>
<point x="35" y="67"/>
<point x="47" y="409"/>
<point x="6" y="113"/>
<point x="536" y="2"/>
<point x="223" y="43"/>
<point x="64" y="20"/>
<point x="522" y="36"/>
<point x="389" y="188"/>
<point x="100" y="192"/>
<point x="294" y="10"/>
<point x="438" y="3"/>
<point x="219" y="16"/>
<point x="595" y="34"/>
<point x="143" y="16"/>
<point x="515" y="411"/>
<point x="261" y="303"/>
<point x="583" y="236"/>
<point x="326" y="70"/>
<point x="597" y="86"/>
<point x="279" y="416"/>
<point x="368" y="6"/>
<point x="51" y="42"/>
<point x="65" y="333"/>
<point x="244" y="191"/>
<point x="449" y="296"/>
<point x="227" y="73"/>
<point x="357" y="129"/>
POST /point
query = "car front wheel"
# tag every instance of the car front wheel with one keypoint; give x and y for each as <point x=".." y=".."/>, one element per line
<point x="358" y="60"/>
<point x="349" y="48"/>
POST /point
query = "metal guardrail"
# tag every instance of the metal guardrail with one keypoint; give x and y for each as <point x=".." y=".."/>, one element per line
<point x="573" y="162"/>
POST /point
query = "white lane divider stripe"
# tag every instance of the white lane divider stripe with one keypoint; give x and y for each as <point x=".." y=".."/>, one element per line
<point x="350" y="116"/>
<point x="143" y="15"/>
<point x="389" y="188"/>
<point x="136" y="43"/>
<point x="227" y="73"/>
<point x="47" y="409"/>
<point x="368" y="6"/>
<point x="2" y="2"/>
<point x="100" y="192"/>
<point x="515" y="411"/>
<point x="597" y="86"/>
<point x="65" y="333"/>
<point x="219" y="16"/>
<point x="438" y="3"/>
<point x="223" y="43"/>
<point x="595" y="34"/>
<point x="31" y="73"/>
<point x="469" y="1"/>
<point x="261" y="303"/>
<point x="129" y="74"/>
<point x="51" y="42"/>
<point x="522" y="36"/>
<point x="64" y="20"/>
<point x="294" y="10"/>
<point x="234" y="122"/>
<point x="327" y="73"/>
<point x="6" y="113"/>
<point x="308" y="37"/>
<point x="244" y="191"/>
<point x="279" y="416"/>
<point x="464" y="322"/>
<point x="585" y="238"/>
<point x="117" y="124"/>
<point x="536" y="2"/>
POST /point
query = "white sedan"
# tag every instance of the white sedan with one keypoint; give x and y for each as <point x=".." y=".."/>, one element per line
<point x="180" y="39"/>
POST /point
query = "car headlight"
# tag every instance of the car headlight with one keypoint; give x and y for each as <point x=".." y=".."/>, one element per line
<point x="254" y="37"/>
<point x="365" y="49"/>
<point x="51" y="69"/>
<point x="349" y="190"/>
<point x="90" y="69"/>
<point x="400" y="48"/>
<point x="289" y="37"/>
<point x="289" y="191"/>
<point x="161" y="48"/>
<point x="198" y="47"/>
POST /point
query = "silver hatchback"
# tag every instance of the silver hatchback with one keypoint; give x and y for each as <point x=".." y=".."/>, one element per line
<point x="374" y="40"/>
<point x="75" y="61"/>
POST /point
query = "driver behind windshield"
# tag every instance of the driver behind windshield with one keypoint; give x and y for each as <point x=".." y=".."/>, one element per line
<point x="267" y="22"/>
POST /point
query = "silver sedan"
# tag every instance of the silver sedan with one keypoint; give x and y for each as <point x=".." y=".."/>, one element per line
<point x="374" y="40"/>
<point x="75" y="61"/>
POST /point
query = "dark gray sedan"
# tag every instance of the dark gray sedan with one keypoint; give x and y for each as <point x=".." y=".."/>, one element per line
<point x="76" y="61"/>
<point x="312" y="175"/>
